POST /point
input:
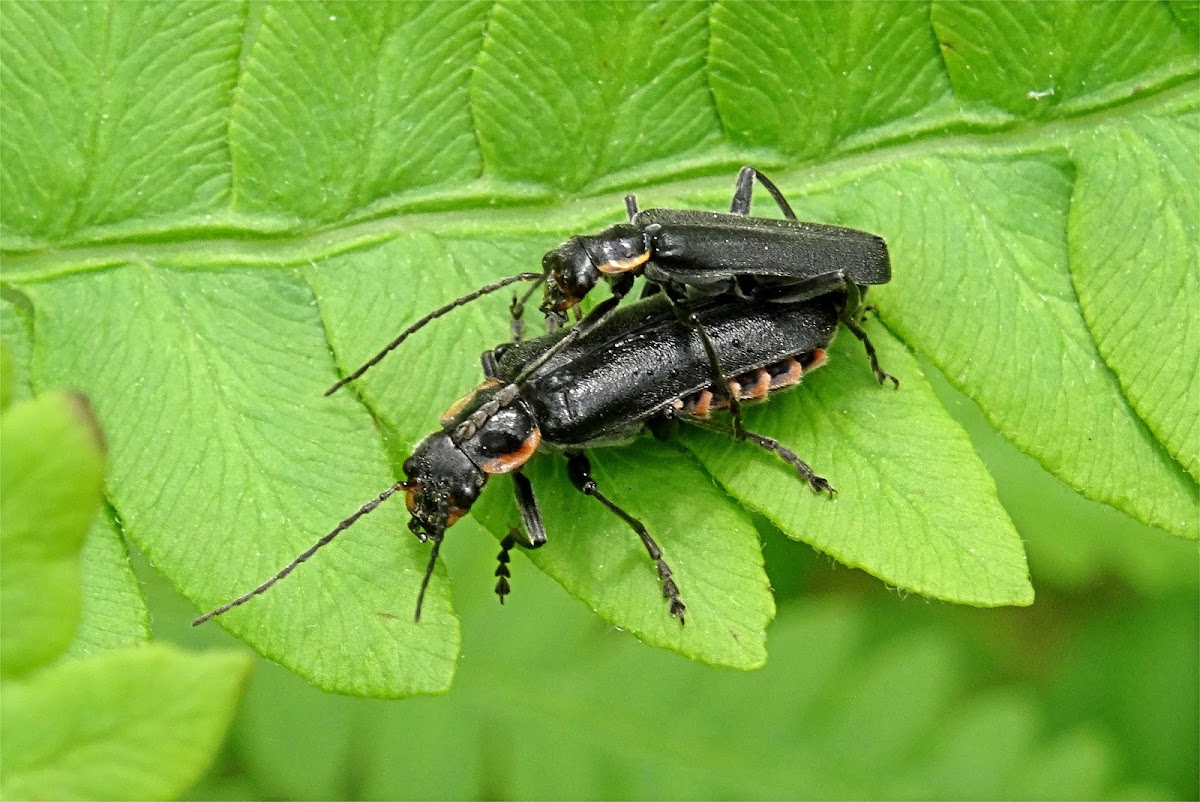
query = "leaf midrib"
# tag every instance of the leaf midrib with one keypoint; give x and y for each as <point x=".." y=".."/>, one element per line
<point x="541" y="213"/>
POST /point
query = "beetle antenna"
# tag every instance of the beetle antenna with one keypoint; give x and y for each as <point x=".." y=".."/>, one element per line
<point x="433" y="555"/>
<point x="313" y="549"/>
<point x="434" y="315"/>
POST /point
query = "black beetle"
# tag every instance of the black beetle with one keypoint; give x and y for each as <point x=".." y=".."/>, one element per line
<point x="640" y="367"/>
<point x="687" y="254"/>
<point x="752" y="258"/>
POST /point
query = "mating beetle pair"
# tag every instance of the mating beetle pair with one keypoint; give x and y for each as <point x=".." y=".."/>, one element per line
<point x="683" y="253"/>
<point x="691" y="253"/>
<point x="616" y="371"/>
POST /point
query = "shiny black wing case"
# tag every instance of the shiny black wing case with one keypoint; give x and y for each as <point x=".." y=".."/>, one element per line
<point x="643" y="358"/>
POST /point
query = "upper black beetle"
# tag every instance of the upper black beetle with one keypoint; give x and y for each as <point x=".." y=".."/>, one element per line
<point x="685" y="254"/>
<point x="753" y="258"/>
<point x="642" y="366"/>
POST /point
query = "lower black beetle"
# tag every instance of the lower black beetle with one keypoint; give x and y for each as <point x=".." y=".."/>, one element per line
<point x="640" y="367"/>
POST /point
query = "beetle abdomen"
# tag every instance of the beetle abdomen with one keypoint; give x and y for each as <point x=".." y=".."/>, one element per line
<point x="754" y="385"/>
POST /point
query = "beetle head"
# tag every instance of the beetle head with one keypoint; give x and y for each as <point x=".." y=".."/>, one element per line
<point x="570" y="274"/>
<point x="574" y="267"/>
<point x="442" y="484"/>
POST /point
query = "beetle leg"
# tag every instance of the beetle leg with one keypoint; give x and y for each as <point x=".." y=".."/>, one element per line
<point x="813" y="287"/>
<point x="881" y="375"/>
<point x="685" y="314"/>
<point x="631" y="207"/>
<point x="531" y="516"/>
<point x="580" y="471"/>
<point x="665" y="424"/>
<point x="594" y="318"/>
<point x="487" y="361"/>
<point x="850" y="317"/>
<point x="745" y="187"/>
<point x="517" y="310"/>
<point x="818" y="483"/>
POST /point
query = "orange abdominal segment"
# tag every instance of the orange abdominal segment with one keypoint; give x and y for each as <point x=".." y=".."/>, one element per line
<point x="791" y="374"/>
<point x="758" y="389"/>
<point x="753" y="385"/>
<point x="461" y="404"/>
<point x="698" y="404"/>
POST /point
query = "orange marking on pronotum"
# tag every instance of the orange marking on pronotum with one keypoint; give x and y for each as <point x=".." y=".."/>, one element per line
<point x="507" y="463"/>
<point x="461" y="404"/>
<point x="624" y="265"/>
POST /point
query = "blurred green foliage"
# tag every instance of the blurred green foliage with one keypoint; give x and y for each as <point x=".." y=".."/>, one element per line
<point x="110" y="717"/>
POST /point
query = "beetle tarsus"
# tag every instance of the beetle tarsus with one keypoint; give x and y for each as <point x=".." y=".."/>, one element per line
<point x="881" y="375"/>
<point x="503" y="588"/>
<point x="580" y="471"/>
<point x="819" y="484"/>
